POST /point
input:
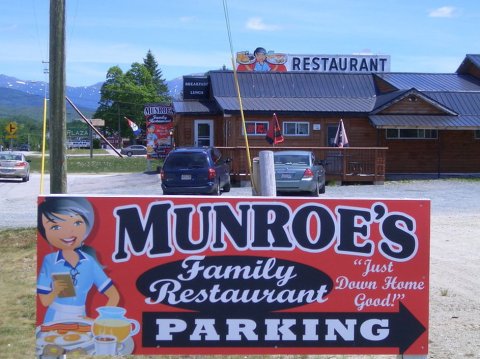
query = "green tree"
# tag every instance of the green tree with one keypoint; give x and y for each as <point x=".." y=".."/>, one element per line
<point x="124" y="95"/>
<point x="152" y="66"/>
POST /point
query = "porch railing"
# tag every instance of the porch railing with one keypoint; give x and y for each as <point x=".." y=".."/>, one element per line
<point x="348" y="164"/>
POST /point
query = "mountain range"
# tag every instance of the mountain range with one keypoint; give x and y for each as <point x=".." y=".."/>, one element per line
<point x="23" y="97"/>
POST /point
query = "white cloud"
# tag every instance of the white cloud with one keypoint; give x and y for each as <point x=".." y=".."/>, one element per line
<point x="257" y="24"/>
<point x="444" y="11"/>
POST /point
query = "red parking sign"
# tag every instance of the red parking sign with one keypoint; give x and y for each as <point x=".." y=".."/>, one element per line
<point x="216" y="275"/>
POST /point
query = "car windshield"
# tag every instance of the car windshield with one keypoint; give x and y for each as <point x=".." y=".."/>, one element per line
<point x="291" y="160"/>
<point x="186" y="160"/>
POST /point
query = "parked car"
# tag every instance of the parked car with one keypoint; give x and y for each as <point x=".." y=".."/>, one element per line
<point x="134" y="150"/>
<point x="299" y="171"/>
<point x="195" y="170"/>
<point x="24" y="147"/>
<point x="14" y="165"/>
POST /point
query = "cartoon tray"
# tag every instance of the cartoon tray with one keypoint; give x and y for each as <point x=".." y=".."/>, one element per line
<point x="71" y="336"/>
<point x="276" y="59"/>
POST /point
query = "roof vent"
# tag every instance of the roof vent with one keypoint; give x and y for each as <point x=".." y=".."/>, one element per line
<point x="412" y="98"/>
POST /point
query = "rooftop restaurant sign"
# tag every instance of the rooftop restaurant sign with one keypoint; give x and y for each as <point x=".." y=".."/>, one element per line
<point x="339" y="63"/>
<point x="216" y="275"/>
<point x="260" y="60"/>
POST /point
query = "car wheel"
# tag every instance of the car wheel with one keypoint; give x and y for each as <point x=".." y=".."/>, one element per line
<point x="316" y="191"/>
<point x="129" y="153"/>
<point x="227" y="187"/>
<point x="322" y="189"/>
<point x="26" y="178"/>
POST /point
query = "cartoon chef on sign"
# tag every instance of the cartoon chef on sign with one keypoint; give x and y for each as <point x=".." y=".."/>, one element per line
<point x="261" y="61"/>
<point x="67" y="275"/>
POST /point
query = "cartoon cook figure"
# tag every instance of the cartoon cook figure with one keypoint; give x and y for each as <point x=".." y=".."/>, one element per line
<point x="261" y="63"/>
<point x="67" y="275"/>
<point x="152" y="139"/>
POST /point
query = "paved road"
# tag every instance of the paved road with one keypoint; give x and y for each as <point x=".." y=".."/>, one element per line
<point x="18" y="200"/>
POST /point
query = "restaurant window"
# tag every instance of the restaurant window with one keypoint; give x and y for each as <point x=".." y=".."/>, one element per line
<point x="296" y="128"/>
<point x="477" y="134"/>
<point x="256" y="127"/>
<point x="331" y="134"/>
<point x="411" y="133"/>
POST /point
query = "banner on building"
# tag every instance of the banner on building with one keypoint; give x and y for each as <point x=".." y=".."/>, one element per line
<point x="215" y="275"/>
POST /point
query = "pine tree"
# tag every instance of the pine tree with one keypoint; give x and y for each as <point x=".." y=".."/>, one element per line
<point x="152" y="66"/>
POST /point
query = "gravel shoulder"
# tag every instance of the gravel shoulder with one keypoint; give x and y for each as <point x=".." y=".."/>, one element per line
<point x="455" y="240"/>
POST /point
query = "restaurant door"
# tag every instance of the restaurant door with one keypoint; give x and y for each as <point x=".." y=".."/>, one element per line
<point x="203" y="135"/>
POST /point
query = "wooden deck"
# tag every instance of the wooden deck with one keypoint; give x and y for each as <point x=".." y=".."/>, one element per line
<point x="349" y="164"/>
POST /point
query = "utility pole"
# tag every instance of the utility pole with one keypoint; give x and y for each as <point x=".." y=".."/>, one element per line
<point x="57" y="79"/>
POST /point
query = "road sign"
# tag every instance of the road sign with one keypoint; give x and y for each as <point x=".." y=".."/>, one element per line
<point x="11" y="128"/>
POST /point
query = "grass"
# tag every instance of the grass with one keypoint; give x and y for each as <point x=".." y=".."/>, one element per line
<point x="79" y="161"/>
<point x="17" y="283"/>
<point x="444" y="292"/>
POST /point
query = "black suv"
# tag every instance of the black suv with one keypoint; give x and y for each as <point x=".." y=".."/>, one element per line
<point x="195" y="170"/>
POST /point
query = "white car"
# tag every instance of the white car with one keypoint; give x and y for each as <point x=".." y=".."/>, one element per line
<point x="14" y="165"/>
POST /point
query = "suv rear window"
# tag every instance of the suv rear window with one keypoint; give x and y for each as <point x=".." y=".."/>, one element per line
<point x="186" y="160"/>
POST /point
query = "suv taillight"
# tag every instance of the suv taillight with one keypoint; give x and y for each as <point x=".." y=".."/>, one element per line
<point x="162" y="175"/>
<point x="211" y="173"/>
<point x="308" y="173"/>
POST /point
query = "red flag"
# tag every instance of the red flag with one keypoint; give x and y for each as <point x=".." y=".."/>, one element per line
<point x="133" y="126"/>
<point x="274" y="134"/>
<point x="341" y="139"/>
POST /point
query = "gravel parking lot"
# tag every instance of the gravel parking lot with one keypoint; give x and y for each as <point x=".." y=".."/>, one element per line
<point x="455" y="240"/>
<point x="18" y="200"/>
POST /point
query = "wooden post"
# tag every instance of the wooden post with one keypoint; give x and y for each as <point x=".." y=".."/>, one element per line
<point x="268" y="186"/>
<point x="57" y="78"/>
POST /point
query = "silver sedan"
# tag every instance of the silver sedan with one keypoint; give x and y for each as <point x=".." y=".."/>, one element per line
<point x="299" y="171"/>
<point x="14" y="165"/>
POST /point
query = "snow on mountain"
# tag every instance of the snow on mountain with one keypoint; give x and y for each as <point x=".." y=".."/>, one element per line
<point x="82" y="96"/>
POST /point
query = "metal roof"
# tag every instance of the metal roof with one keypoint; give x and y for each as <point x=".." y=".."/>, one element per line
<point x="296" y="105"/>
<point x="292" y="84"/>
<point x="431" y="82"/>
<point x="470" y="60"/>
<point x="345" y="93"/>
<point x="196" y="107"/>
<point x="465" y="103"/>
<point x="426" y="122"/>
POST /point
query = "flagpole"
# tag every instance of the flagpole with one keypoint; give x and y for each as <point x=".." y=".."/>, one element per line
<point x="249" y="161"/>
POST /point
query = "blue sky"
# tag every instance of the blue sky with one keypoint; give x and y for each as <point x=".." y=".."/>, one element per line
<point x="190" y="36"/>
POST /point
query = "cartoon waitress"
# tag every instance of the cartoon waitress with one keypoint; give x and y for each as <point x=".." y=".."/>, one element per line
<point x="67" y="275"/>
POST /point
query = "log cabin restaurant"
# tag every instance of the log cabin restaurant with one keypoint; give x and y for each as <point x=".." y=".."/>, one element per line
<point x="398" y="125"/>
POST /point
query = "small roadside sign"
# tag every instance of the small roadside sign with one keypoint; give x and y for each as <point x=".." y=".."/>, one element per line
<point x="11" y="128"/>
